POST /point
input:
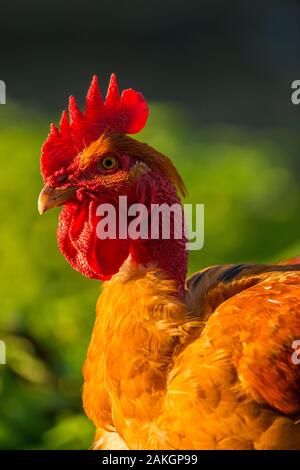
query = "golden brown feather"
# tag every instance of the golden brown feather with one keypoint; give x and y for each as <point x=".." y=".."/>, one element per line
<point x="163" y="376"/>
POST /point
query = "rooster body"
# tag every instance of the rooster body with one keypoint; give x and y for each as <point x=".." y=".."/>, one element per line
<point x="166" y="379"/>
<point x="172" y="364"/>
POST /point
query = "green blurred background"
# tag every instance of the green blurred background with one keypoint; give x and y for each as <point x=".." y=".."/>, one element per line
<point x="219" y="106"/>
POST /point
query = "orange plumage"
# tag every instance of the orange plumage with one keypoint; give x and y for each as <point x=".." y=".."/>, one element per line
<point x="172" y="364"/>
<point x="159" y="377"/>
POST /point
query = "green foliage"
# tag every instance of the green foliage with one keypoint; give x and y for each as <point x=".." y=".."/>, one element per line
<point x="248" y="183"/>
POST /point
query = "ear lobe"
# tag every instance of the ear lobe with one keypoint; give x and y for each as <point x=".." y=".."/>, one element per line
<point x="146" y="190"/>
<point x="107" y="256"/>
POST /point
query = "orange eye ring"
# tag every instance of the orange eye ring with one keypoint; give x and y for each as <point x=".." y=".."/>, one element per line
<point x="109" y="163"/>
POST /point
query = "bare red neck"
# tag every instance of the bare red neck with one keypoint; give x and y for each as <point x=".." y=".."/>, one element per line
<point x="101" y="259"/>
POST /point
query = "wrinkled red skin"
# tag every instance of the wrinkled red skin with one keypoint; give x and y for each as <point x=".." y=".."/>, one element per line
<point x="101" y="259"/>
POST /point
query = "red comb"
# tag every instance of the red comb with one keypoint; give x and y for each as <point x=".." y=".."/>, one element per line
<point x="126" y="114"/>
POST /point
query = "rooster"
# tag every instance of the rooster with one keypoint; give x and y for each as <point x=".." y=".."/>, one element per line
<point x="202" y="363"/>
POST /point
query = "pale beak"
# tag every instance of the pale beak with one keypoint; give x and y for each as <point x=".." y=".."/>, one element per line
<point x="52" y="197"/>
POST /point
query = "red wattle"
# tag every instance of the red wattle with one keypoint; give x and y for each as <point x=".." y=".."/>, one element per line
<point x="78" y="242"/>
<point x="101" y="259"/>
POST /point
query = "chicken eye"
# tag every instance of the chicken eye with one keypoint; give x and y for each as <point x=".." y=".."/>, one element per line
<point x="109" y="163"/>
